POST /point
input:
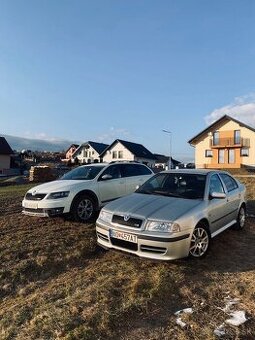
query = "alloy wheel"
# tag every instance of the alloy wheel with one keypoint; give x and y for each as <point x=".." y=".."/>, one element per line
<point x="85" y="209"/>
<point x="241" y="217"/>
<point x="199" y="242"/>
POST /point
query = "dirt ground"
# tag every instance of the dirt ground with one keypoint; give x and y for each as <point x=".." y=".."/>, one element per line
<point x="55" y="283"/>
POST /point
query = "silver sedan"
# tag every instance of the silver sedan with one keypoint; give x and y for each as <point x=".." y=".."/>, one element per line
<point x="173" y="215"/>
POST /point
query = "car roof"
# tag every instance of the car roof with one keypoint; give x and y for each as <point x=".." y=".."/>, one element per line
<point x="194" y="171"/>
<point x="111" y="163"/>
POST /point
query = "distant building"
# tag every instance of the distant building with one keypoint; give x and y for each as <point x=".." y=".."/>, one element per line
<point x="5" y="156"/>
<point x="162" y="162"/>
<point x="70" y="151"/>
<point x="89" y="152"/>
<point x="121" y="150"/>
<point x="227" y="143"/>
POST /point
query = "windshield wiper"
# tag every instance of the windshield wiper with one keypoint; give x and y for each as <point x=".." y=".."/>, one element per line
<point x="165" y="193"/>
<point x="147" y="192"/>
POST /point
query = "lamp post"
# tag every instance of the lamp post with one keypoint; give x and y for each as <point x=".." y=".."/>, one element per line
<point x="170" y="148"/>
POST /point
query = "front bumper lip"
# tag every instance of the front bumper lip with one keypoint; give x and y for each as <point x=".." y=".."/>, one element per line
<point x="43" y="212"/>
<point x="163" y="239"/>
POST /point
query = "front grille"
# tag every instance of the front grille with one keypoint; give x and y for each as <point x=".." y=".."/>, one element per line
<point x="103" y="237"/>
<point x="131" y="222"/>
<point x="124" y="244"/>
<point x="36" y="197"/>
<point x="150" y="249"/>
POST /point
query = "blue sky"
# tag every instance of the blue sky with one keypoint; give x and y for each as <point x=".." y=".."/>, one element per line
<point x="101" y="70"/>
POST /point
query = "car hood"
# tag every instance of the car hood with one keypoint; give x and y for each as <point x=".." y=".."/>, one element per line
<point x="152" y="206"/>
<point x="59" y="185"/>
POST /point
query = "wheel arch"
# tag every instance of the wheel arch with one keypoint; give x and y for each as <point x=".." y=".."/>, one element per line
<point x="243" y="204"/>
<point x="204" y="221"/>
<point x="89" y="193"/>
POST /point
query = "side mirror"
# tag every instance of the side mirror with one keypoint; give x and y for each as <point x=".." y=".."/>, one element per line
<point x="106" y="177"/>
<point x="137" y="187"/>
<point x="219" y="195"/>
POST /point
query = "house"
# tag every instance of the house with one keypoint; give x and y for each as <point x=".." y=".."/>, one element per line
<point x="121" y="150"/>
<point x="162" y="162"/>
<point x="89" y="152"/>
<point x="5" y="156"/>
<point x="70" y="151"/>
<point x="227" y="143"/>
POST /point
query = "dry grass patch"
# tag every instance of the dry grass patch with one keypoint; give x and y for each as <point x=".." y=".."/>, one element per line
<point x="56" y="284"/>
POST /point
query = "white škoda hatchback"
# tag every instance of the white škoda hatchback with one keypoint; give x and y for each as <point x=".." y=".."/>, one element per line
<point x="84" y="190"/>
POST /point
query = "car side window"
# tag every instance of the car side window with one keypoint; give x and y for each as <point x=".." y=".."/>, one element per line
<point x="215" y="184"/>
<point x="229" y="182"/>
<point x="113" y="171"/>
<point x="130" y="170"/>
<point x="143" y="170"/>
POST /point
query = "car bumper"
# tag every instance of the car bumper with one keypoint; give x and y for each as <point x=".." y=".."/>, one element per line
<point x="44" y="208"/>
<point x="147" y="246"/>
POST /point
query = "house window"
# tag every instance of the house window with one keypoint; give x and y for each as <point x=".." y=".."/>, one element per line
<point x="244" y="152"/>
<point x="237" y="137"/>
<point x="221" y="156"/>
<point x="208" y="153"/>
<point x="114" y="154"/>
<point x="120" y="154"/>
<point x="216" y="138"/>
<point x="231" y="156"/>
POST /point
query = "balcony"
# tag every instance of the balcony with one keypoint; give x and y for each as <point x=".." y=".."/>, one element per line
<point x="230" y="143"/>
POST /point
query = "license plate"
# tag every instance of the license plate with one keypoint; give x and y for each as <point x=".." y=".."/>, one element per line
<point x="30" y="205"/>
<point x="123" y="236"/>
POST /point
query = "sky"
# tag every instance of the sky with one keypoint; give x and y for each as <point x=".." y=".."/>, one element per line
<point x="106" y="69"/>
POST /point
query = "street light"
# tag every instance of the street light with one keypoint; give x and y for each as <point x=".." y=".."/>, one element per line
<point x="170" y="148"/>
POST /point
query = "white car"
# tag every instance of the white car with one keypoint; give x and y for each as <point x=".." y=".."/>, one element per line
<point x="84" y="190"/>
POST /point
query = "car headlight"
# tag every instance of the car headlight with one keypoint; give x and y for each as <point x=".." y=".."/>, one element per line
<point x="162" y="226"/>
<point x="105" y="216"/>
<point x="59" y="194"/>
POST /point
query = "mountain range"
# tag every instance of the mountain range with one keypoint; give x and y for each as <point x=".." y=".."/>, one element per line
<point x="20" y="143"/>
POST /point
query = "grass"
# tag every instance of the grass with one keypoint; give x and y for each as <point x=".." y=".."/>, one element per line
<point x="55" y="283"/>
<point x="9" y="190"/>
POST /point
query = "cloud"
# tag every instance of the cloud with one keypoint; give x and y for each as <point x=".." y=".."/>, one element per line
<point x="43" y="137"/>
<point x="112" y="134"/>
<point x="242" y="108"/>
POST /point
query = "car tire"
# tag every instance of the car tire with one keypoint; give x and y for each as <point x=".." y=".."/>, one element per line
<point x="200" y="242"/>
<point x="83" y="208"/>
<point x="241" y="218"/>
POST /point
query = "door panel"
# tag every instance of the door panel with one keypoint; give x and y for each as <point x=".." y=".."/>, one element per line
<point x="218" y="213"/>
<point x="113" y="187"/>
<point x="234" y="195"/>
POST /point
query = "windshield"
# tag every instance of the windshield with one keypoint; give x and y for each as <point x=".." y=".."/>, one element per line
<point x="83" y="173"/>
<point x="184" y="185"/>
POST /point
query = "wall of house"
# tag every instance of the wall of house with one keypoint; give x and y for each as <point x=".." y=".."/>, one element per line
<point x="225" y="131"/>
<point x="70" y="152"/>
<point x="200" y="160"/>
<point x="250" y="160"/>
<point x="127" y="155"/>
<point x="5" y="161"/>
